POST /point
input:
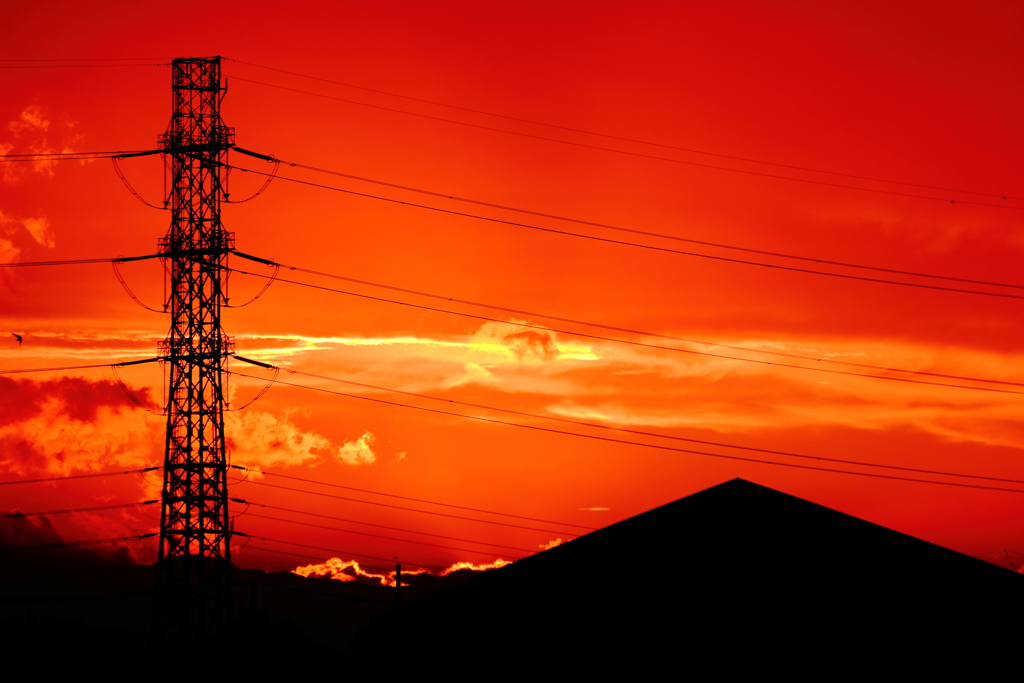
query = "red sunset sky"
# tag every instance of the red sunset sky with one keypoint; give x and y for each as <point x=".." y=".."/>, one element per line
<point x="924" y="93"/>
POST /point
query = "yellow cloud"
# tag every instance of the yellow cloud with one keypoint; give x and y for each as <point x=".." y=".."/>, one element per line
<point x="359" y="452"/>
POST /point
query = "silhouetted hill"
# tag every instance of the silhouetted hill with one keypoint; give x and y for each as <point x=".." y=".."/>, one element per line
<point x="738" y="576"/>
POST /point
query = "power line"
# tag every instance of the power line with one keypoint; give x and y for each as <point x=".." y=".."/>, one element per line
<point x="611" y="440"/>
<point x="415" y="500"/>
<point x="311" y="557"/>
<point x="628" y="431"/>
<point x="88" y="59"/>
<point x="74" y="66"/>
<point x="382" y="526"/>
<point x="538" y="315"/>
<point x="68" y="156"/>
<point x="81" y="367"/>
<point x="388" y="538"/>
<point x="54" y="369"/>
<point x="91" y="509"/>
<point x="633" y="154"/>
<point x="334" y="550"/>
<point x="625" y="341"/>
<point x="626" y="329"/>
<point x="626" y="139"/>
<point x="77" y="476"/>
<point x="65" y="262"/>
<point x="77" y="262"/>
<point x="637" y="245"/>
<point x="74" y="544"/>
<point x="646" y="233"/>
<point x="387" y="505"/>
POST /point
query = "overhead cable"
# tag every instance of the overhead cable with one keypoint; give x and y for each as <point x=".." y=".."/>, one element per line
<point x="128" y="290"/>
<point x="97" y="508"/>
<point x="74" y="66"/>
<point x="262" y="189"/>
<point x="70" y="156"/>
<point x="131" y="395"/>
<point x="333" y="550"/>
<point x="387" y="505"/>
<point x="627" y="139"/>
<point x="74" y="544"/>
<point x="637" y="245"/>
<point x="87" y="59"/>
<point x="616" y="441"/>
<point x="414" y="500"/>
<point x="78" y="262"/>
<point x="260" y="293"/>
<point x="634" y="154"/>
<point x="625" y="430"/>
<point x="627" y="330"/>
<point x="627" y="341"/>
<point x="763" y="252"/>
<point x="380" y="526"/>
<point x="387" y="538"/>
<point x="311" y="557"/>
<point x="77" y="476"/>
<point x="81" y="367"/>
<point x="124" y="180"/>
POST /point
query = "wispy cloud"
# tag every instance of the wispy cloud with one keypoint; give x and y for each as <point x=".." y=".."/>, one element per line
<point x="34" y="131"/>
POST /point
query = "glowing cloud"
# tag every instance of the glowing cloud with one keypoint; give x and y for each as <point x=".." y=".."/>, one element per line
<point x="498" y="342"/>
<point x="525" y="344"/>
<point x="31" y="128"/>
<point x="349" y="570"/>
<point x="31" y="120"/>
<point x="358" y="452"/>
<point x="258" y="439"/>
<point x="8" y="252"/>
<point x="71" y="425"/>
<point x="37" y="228"/>
<point x="460" y="566"/>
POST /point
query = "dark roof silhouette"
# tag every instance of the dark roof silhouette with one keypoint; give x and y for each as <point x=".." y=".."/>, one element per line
<point x="738" y="575"/>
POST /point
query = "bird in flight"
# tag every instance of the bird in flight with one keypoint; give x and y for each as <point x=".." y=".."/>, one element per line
<point x="18" y="337"/>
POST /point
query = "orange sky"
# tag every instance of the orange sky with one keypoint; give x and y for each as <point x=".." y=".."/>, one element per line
<point x="923" y="93"/>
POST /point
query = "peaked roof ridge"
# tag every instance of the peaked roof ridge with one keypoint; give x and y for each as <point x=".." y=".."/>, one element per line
<point x="758" y="519"/>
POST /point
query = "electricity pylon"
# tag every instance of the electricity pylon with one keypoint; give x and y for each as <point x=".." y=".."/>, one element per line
<point x="194" y="584"/>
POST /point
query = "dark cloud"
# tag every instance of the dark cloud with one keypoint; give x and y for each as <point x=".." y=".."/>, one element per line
<point x="20" y="531"/>
<point x="69" y="424"/>
<point x="79" y="399"/>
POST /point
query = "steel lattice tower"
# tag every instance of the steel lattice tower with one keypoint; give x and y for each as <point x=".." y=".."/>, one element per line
<point x="193" y="592"/>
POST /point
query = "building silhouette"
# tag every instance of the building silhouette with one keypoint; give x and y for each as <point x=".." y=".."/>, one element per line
<point x="738" y="577"/>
